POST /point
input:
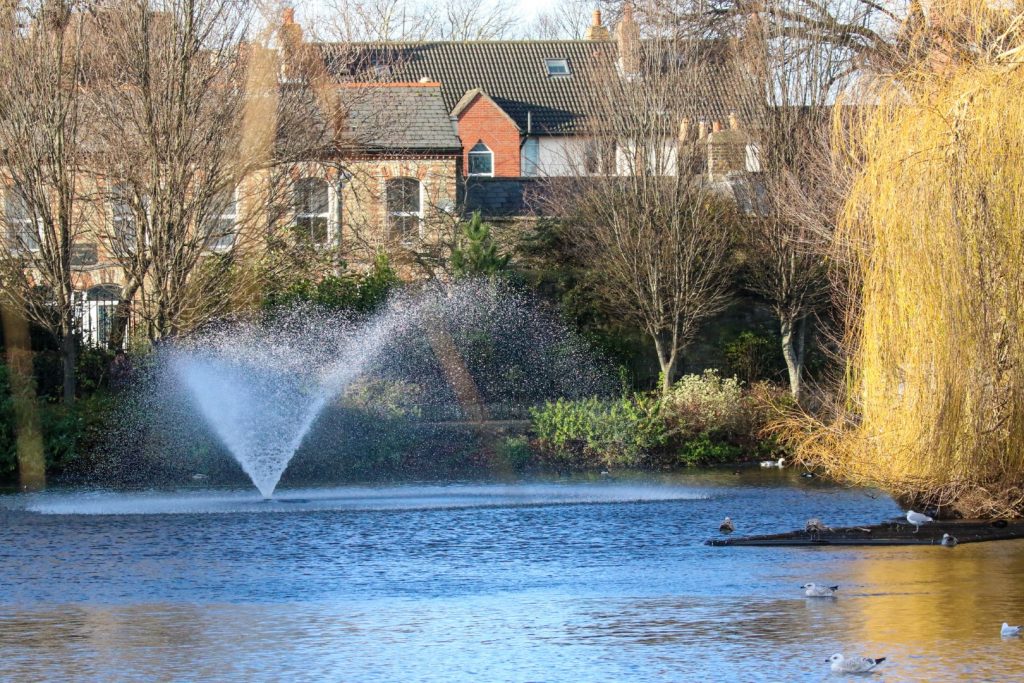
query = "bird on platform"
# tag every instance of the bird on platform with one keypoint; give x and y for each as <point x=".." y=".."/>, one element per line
<point x="853" y="665"/>
<point x="813" y="590"/>
<point x="727" y="527"/>
<point x="1008" y="631"/>
<point x="773" y="463"/>
<point x="917" y="519"/>
<point x="949" y="541"/>
<point x="815" y="526"/>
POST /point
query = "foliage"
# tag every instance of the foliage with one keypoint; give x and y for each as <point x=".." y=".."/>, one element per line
<point x="700" y="404"/>
<point x="514" y="452"/>
<point x="932" y="230"/>
<point x="479" y="256"/>
<point x="69" y="433"/>
<point x="345" y="291"/>
<point x="752" y="357"/>
<point x="702" y="450"/>
<point x="383" y="399"/>
<point x="617" y="432"/>
<point x="8" y="452"/>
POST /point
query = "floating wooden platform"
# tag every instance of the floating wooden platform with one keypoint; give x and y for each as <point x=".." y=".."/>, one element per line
<point x="888" y="533"/>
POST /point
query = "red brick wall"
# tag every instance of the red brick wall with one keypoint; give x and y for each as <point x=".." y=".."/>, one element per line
<point x="482" y="121"/>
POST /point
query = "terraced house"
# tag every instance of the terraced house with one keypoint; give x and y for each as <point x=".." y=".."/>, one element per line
<point x="348" y="150"/>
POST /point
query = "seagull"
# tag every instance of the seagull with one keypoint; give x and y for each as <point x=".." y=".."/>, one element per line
<point x="949" y="541"/>
<point x="853" y="665"/>
<point x="773" y="463"/>
<point x="727" y="526"/>
<point x="813" y="590"/>
<point x="815" y="526"/>
<point x="199" y="477"/>
<point x="917" y="519"/>
<point x="1008" y="631"/>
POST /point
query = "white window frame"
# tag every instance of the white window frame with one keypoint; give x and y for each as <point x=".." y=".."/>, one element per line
<point x="418" y="214"/>
<point x="222" y="242"/>
<point x="485" y="152"/>
<point x="119" y="198"/>
<point x="19" y="230"/>
<point x="752" y="157"/>
<point x="331" y="214"/>
<point x="557" y="62"/>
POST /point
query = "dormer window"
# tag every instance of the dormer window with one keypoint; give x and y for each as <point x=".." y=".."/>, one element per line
<point x="481" y="160"/>
<point x="557" y="67"/>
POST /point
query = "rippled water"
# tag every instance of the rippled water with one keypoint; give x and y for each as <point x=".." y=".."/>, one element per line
<point x="556" y="581"/>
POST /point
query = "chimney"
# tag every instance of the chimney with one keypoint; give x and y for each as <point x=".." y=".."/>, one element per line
<point x="734" y="121"/>
<point x="684" y="129"/>
<point x="702" y="130"/>
<point x="596" y="31"/>
<point x="627" y="35"/>
<point x="289" y="37"/>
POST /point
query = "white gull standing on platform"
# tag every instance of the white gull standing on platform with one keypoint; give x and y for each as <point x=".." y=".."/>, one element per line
<point x="917" y="519"/>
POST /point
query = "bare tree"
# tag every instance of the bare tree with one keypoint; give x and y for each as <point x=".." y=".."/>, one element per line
<point x="398" y="20"/>
<point x="787" y="239"/>
<point x="655" y="235"/>
<point x="568" y="19"/>
<point x="42" y="77"/>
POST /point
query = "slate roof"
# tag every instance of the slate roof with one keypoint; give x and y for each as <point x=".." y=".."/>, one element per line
<point x="513" y="73"/>
<point x="411" y="117"/>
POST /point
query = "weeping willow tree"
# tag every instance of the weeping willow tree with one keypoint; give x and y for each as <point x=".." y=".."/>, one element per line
<point x="933" y="233"/>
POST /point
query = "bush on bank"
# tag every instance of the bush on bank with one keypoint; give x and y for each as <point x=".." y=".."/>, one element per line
<point x="705" y="419"/>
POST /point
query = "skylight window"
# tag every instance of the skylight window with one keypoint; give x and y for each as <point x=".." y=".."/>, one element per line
<point x="557" y="67"/>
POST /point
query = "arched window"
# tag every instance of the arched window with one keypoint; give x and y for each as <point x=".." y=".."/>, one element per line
<point x="312" y="204"/>
<point x="22" y="230"/>
<point x="405" y="208"/>
<point x="481" y="160"/>
<point x="222" y="221"/>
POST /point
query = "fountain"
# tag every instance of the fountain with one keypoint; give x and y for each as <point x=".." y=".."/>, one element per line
<point x="260" y="386"/>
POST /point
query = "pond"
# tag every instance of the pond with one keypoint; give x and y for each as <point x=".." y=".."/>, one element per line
<point x="578" y="579"/>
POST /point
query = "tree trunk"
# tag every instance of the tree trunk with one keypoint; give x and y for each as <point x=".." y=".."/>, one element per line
<point x="69" y="358"/>
<point x="667" y="361"/>
<point x="122" y="316"/>
<point x="28" y="436"/>
<point x="794" y="333"/>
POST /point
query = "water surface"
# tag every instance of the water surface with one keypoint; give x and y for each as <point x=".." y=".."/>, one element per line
<point x="539" y="581"/>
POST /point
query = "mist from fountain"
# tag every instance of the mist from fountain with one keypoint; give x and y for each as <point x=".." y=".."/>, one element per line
<point x="260" y="386"/>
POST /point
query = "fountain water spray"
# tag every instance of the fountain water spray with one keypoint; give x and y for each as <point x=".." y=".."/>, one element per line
<point x="260" y="386"/>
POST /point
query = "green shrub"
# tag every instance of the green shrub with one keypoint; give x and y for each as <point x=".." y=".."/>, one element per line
<point x="753" y="357"/>
<point x="619" y="432"/>
<point x="514" y="452"/>
<point x="700" y="404"/>
<point x="702" y="450"/>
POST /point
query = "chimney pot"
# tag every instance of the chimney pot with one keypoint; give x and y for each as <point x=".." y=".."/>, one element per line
<point x="716" y="127"/>
<point x="288" y="16"/>
<point x="702" y="130"/>
<point x="597" y="18"/>
<point x="684" y="129"/>
<point x="734" y="121"/>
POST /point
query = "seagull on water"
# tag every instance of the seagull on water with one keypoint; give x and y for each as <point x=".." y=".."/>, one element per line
<point x="813" y="590"/>
<point x="773" y="463"/>
<point x="1008" y="631"/>
<point x="949" y="541"/>
<point x="917" y="519"/>
<point x="853" y="665"/>
<point x="727" y="526"/>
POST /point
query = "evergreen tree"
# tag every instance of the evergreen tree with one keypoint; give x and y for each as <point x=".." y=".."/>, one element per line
<point x="479" y="255"/>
